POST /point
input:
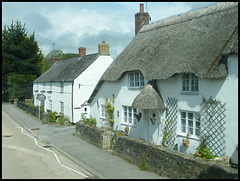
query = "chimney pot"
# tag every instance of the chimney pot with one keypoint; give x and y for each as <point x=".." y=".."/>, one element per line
<point x="103" y="49"/>
<point x="82" y="51"/>
<point x="142" y="8"/>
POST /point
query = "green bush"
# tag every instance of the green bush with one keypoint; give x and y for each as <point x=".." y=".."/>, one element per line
<point x="60" y="120"/>
<point x="204" y="152"/>
<point x="143" y="163"/>
<point x="89" y="121"/>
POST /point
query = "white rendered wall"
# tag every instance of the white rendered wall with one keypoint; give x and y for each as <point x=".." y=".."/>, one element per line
<point x="85" y="84"/>
<point x="56" y="96"/>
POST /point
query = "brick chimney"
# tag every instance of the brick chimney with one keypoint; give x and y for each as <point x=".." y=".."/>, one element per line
<point x="141" y="18"/>
<point x="82" y="51"/>
<point x="103" y="49"/>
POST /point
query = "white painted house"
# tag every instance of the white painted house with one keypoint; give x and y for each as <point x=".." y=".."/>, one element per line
<point x="178" y="78"/>
<point x="67" y="85"/>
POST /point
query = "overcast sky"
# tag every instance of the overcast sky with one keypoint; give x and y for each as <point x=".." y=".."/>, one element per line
<point x="70" y="25"/>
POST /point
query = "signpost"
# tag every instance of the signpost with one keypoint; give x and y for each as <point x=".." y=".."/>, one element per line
<point x="41" y="98"/>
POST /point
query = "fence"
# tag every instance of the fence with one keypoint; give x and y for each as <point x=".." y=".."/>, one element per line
<point x="32" y="110"/>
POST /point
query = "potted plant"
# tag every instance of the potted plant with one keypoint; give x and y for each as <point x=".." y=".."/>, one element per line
<point x="186" y="142"/>
<point x="126" y="129"/>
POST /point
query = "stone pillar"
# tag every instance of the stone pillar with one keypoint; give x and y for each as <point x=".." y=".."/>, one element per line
<point x="15" y="102"/>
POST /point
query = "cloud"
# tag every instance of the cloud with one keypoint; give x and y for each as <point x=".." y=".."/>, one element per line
<point x="70" y="25"/>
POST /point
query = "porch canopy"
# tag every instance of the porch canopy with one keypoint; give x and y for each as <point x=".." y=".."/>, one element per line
<point x="149" y="98"/>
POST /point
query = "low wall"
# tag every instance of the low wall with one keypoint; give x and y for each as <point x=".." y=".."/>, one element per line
<point x="100" y="137"/>
<point x="167" y="162"/>
<point x="29" y="101"/>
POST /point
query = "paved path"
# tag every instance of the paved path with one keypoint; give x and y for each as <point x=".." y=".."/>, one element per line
<point x="101" y="163"/>
<point x="23" y="158"/>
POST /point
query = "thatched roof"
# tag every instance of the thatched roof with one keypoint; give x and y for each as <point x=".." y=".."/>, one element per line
<point x="68" y="70"/>
<point x="189" y="43"/>
<point x="149" y="98"/>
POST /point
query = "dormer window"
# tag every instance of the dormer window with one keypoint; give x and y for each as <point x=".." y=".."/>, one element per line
<point x="136" y="79"/>
<point x="189" y="83"/>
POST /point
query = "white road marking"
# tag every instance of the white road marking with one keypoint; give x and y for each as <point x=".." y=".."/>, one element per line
<point x="51" y="152"/>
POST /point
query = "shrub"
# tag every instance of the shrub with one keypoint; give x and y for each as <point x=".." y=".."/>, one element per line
<point x="89" y="121"/>
<point x="204" y="152"/>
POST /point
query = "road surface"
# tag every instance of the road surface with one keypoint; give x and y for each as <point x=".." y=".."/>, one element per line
<point x="25" y="157"/>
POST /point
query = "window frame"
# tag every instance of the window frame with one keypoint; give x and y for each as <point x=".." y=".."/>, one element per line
<point x="196" y="123"/>
<point x="128" y="115"/>
<point x="136" y="79"/>
<point x="61" y="107"/>
<point x="50" y="104"/>
<point x="103" y="116"/>
<point x="61" y="87"/>
<point x="189" y="84"/>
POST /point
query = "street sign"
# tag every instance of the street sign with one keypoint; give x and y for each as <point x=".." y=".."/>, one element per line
<point x="41" y="97"/>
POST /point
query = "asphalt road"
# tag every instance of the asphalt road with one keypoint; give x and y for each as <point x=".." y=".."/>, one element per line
<point x="23" y="157"/>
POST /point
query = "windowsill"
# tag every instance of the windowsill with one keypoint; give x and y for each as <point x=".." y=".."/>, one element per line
<point x="189" y="93"/>
<point x="131" y="125"/>
<point x="192" y="137"/>
<point x="103" y="118"/>
<point x="139" y="87"/>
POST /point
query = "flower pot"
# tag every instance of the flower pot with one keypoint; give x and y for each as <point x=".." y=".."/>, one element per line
<point x="153" y="120"/>
<point x="186" y="144"/>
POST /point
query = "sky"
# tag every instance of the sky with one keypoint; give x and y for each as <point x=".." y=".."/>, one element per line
<point x="70" y="25"/>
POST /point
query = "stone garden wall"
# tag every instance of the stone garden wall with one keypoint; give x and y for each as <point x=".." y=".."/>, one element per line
<point x="167" y="162"/>
<point x="100" y="137"/>
<point x="147" y="156"/>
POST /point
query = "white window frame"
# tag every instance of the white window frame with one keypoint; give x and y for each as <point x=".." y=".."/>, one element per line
<point x="50" y="104"/>
<point x="103" y="113"/>
<point x="190" y="84"/>
<point x="136" y="79"/>
<point x="61" y="107"/>
<point x="194" y="128"/>
<point x="128" y="115"/>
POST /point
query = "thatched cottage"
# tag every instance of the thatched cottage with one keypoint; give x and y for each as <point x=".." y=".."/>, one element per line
<point x="68" y="85"/>
<point x="178" y="79"/>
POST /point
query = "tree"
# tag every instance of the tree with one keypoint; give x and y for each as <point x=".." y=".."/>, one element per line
<point x="48" y="60"/>
<point x="20" y="54"/>
<point x="20" y="85"/>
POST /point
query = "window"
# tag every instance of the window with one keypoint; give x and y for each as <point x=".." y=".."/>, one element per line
<point x="136" y="79"/>
<point x="62" y="107"/>
<point x="129" y="115"/>
<point x="61" y="86"/>
<point x="190" y="123"/>
<point x="103" y="112"/>
<point x="189" y="83"/>
<point x="50" y="104"/>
